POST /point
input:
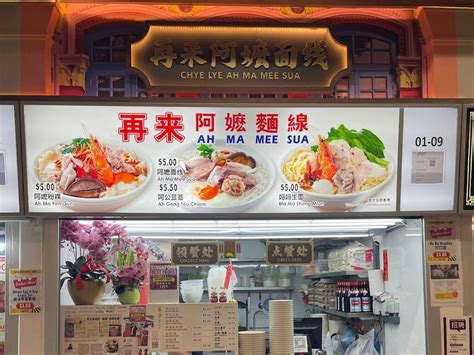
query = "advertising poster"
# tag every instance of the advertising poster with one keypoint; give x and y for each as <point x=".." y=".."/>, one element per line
<point x="131" y="159"/>
<point x="143" y="330"/>
<point x="457" y="335"/>
<point x="25" y="290"/>
<point x="163" y="276"/>
<point x="9" y="189"/>
<point x="445" y="273"/>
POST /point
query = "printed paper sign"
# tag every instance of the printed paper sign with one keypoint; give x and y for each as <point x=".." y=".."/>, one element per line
<point x="457" y="335"/>
<point x="443" y="251"/>
<point x="163" y="276"/>
<point x="446" y="286"/>
<point x="25" y="290"/>
<point x="115" y="329"/>
<point x="211" y="160"/>
<point x="441" y="228"/>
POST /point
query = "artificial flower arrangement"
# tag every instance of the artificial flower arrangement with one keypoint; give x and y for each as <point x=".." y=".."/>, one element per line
<point x="102" y="252"/>
<point x="131" y="264"/>
<point x="90" y="244"/>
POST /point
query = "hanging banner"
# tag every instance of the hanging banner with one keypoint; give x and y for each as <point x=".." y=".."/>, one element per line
<point x="195" y="254"/>
<point x="231" y="57"/>
<point x="25" y="290"/>
<point x="290" y="252"/>
<point x="216" y="160"/>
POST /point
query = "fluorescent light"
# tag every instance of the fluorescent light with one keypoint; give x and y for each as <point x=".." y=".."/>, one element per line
<point x="229" y="237"/>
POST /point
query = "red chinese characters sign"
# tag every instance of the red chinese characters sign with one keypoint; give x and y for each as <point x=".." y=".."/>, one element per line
<point x="218" y="57"/>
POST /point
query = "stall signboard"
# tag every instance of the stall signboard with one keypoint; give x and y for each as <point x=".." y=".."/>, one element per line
<point x="469" y="178"/>
<point x="25" y="291"/>
<point x="290" y="252"/>
<point x="9" y="187"/>
<point x="429" y="164"/>
<point x="195" y="253"/>
<point x="216" y="160"/>
<point x="105" y="329"/>
<point x="163" y="276"/>
<point x="232" y="57"/>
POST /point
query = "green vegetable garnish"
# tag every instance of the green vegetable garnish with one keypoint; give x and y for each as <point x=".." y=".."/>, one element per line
<point x="76" y="142"/>
<point x="315" y="148"/>
<point x="205" y="150"/>
<point x="365" y="140"/>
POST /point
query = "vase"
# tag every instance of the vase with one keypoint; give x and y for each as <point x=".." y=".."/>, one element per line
<point x="90" y="293"/>
<point x="131" y="295"/>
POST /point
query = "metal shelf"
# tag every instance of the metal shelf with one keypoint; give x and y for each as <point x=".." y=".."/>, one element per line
<point x="261" y="289"/>
<point x="362" y="316"/>
<point x="360" y="274"/>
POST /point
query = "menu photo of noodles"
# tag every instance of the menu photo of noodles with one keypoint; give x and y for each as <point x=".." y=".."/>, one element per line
<point x="91" y="175"/>
<point x="220" y="178"/>
<point x="343" y="169"/>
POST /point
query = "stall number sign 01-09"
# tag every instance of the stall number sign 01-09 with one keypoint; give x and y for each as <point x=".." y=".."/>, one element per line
<point x="428" y="160"/>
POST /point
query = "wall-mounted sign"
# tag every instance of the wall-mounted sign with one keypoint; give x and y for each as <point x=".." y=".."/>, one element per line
<point x="222" y="56"/>
<point x="469" y="183"/>
<point x="195" y="253"/>
<point x="223" y="160"/>
<point x="290" y="252"/>
<point x="430" y="141"/>
<point x="9" y="189"/>
<point x="25" y="290"/>
<point x="163" y="276"/>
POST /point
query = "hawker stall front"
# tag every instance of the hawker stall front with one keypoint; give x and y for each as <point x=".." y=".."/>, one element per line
<point x="236" y="227"/>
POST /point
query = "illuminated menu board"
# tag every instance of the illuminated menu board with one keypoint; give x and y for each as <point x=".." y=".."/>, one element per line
<point x="233" y="159"/>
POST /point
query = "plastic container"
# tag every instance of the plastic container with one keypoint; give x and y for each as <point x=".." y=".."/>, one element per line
<point x="284" y="280"/>
<point x="270" y="279"/>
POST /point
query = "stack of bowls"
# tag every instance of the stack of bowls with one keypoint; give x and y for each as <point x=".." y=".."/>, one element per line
<point x="252" y="343"/>
<point x="281" y="327"/>
<point x="192" y="290"/>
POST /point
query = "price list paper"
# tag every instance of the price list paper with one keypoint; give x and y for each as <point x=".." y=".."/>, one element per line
<point x="143" y="329"/>
<point x="195" y="327"/>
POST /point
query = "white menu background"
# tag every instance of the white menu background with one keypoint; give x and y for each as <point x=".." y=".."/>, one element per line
<point x="9" y="193"/>
<point x="104" y="122"/>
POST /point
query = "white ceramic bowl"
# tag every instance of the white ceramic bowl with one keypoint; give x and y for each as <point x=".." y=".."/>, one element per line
<point x="105" y="204"/>
<point x="262" y="159"/>
<point x="343" y="202"/>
